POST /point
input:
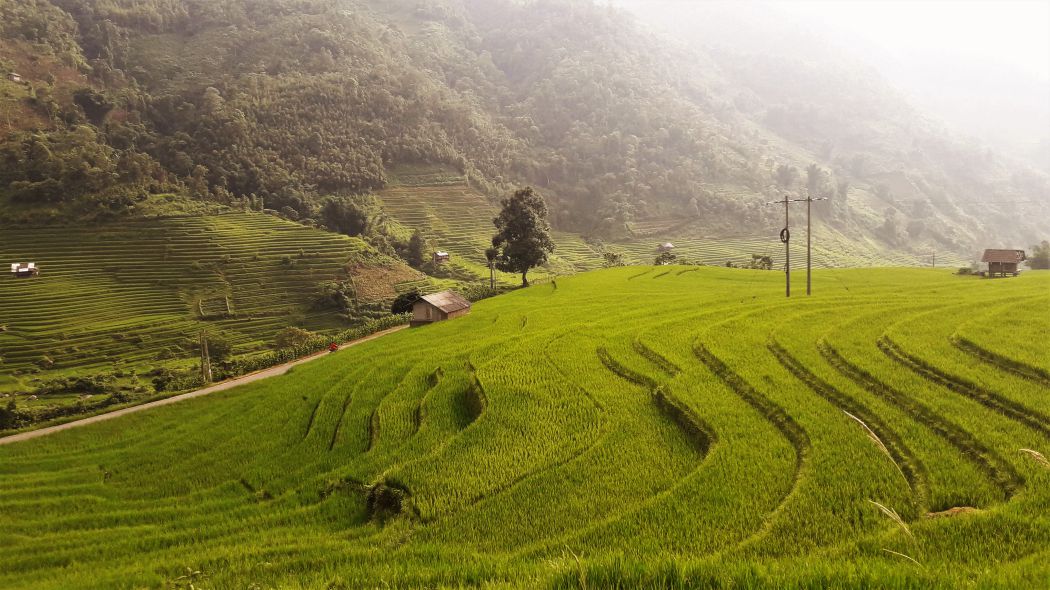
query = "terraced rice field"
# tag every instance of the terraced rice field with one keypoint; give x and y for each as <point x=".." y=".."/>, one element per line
<point x="665" y="427"/>
<point x="831" y="249"/>
<point x="459" y="220"/>
<point x="130" y="295"/>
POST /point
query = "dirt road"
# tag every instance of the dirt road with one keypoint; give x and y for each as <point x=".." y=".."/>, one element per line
<point x="251" y="377"/>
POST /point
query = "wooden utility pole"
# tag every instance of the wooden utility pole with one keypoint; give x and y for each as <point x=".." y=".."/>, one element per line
<point x="809" y="242"/>
<point x="205" y="359"/>
<point x="785" y="237"/>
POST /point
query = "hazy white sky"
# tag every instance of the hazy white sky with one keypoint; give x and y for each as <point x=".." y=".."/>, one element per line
<point x="982" y="66"/>
<point x="1011" y="32"/>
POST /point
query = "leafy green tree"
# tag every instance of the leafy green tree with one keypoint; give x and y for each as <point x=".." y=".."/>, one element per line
<point x="416" y="252"/>
<point x="816" y="181"/>
<point x="611" y="259"/>
<point x="344" y="215"/>
<point x="842" y="189"/>
<point x="95" y="105"/>
<point x="1040" y="258"/>
<point x="786" y="176"/>
<point x="666" y="258"/>
<point x="890" y="228"/>
<point x="10" y="416"/>
<point x="292" y="337"/>
<point x="404" y="302"/>
<point x="220" y="348"/>
<point x="335" y="295"/>
<point x="523" y="234"/>
<point x="761" y="262"/>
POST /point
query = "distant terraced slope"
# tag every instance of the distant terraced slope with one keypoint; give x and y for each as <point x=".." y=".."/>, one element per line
<point x="129" y="295"/>
<point x="671" y="427"/>
<point x="831" y="249"/>
<point x="458" y="219"/>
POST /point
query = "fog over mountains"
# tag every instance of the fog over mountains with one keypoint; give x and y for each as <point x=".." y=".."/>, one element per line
<point x="983" y="68"/>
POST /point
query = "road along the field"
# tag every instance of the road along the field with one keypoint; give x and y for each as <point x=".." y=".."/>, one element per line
<point x="225" y="385"/>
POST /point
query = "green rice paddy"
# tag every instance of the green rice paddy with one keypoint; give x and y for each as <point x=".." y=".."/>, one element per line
<point x="671" y="427"/>
<point x="133" y="295"/>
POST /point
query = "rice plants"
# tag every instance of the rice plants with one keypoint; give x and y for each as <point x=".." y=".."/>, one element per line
<point x="129" y="298"/>
<point x="620" y="431"/>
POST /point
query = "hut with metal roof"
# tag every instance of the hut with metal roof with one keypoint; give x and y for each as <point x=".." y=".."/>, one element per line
<point x="1003" y="263"/>
<point x="447" y="305"/>
<point x="24" y="270"/>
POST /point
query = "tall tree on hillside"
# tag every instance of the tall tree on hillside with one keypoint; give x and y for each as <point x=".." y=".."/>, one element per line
<point x="816" y="181"/>
<point x="786" y="176"/>
<point x="416" y="253"/>
<point x="1040" y="258"/>
<point x="523" y="234"/>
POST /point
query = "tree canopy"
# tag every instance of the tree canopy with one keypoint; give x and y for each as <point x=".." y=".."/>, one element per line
<point x="1040" y="258"/>
<point x="522" y="234"/>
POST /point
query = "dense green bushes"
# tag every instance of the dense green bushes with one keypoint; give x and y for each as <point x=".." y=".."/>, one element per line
<point x="74" y="168"/>
<point x="226" y="369"/>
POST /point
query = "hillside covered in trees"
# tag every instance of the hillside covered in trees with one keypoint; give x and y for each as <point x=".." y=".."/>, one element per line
<point x="285" y="104"/>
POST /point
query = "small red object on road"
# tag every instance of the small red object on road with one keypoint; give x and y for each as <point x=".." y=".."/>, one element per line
<point x="333" y="347"/>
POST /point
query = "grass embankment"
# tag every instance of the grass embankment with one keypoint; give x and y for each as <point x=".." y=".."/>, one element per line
<point x="674" y="427"/>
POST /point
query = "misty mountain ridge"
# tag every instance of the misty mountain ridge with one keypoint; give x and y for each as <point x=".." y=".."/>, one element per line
<point x="288" y="102"/>
<point x="991" y="100"/>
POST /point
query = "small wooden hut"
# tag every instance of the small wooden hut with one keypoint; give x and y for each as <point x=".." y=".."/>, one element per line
<point x="439" y="307"/>
<point x="26" y="270"/>
<point x="441" y="257"/>
<point x="15" y="77"/>
<point x="1003" y="263"/>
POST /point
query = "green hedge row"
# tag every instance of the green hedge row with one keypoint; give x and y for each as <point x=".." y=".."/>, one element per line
<point x="238" y="367"/>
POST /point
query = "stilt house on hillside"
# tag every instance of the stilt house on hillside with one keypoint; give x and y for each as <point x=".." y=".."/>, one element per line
<point x="1003" y="262"/>
<point x="15" y="77"/>
<point x="439" y="307"/>
<point x="441" y="257"/>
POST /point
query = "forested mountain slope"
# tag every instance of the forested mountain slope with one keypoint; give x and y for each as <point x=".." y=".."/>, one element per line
<point x="283" y="102"/>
